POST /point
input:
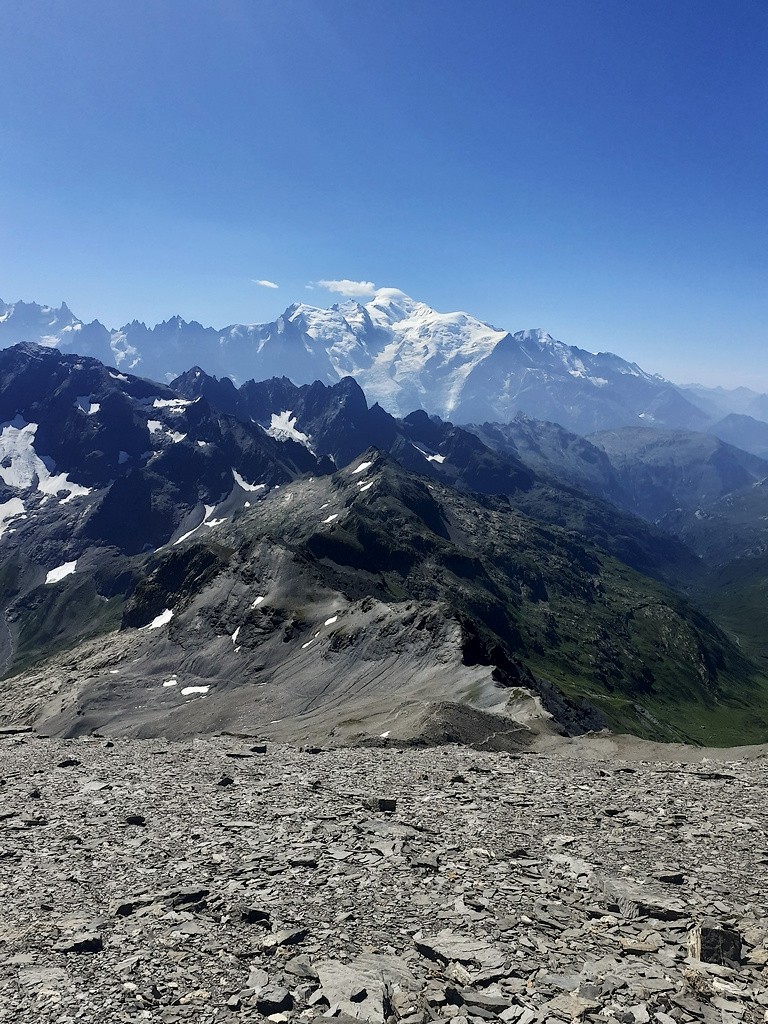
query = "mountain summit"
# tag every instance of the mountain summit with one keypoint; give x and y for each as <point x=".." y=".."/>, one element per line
<point x="404" y="354"/>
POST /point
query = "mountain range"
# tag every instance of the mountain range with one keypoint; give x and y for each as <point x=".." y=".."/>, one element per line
<point x="407" y="356"/>
<point x="293" y="560"/>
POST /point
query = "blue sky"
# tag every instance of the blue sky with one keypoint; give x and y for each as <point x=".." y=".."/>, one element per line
<point x="598" y="168"/>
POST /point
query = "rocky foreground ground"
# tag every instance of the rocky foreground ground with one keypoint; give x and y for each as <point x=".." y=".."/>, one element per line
<point x="228" y="880"/>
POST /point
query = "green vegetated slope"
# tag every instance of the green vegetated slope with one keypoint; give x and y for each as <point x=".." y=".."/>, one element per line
<point x="45" y="620"/>
<point x="736" y="596"/>
<point x="537" y="595"/>
<point x="54" y="617"/>
<point x="730" y="536"/>
<point x="730" y="529"/>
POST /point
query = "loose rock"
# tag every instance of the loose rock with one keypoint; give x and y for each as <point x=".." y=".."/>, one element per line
<point x="715" y="945"/>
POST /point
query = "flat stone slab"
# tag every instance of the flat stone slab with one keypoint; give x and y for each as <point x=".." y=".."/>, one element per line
<point x="634" y="900"/>
<point x="363" y="988"/>
<point x="448" y="946"/>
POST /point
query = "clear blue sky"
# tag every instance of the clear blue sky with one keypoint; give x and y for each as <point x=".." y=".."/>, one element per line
<point x="598" y="168"/>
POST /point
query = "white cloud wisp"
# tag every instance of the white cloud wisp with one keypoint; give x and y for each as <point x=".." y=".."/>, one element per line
<point x="351" y="289"/>
<point x="265" y="284"/>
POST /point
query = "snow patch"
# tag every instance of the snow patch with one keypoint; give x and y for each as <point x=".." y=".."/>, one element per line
<point x="362" y="467"/>
<point x="283" y="428"/>
<point x="22" y="467"/>
<point x="330" y="518"/>
<point x="60" y="572"/>
<point x="365" y="487"/>
<point x="333" y="618"/>
<point x="9" y="510"/>
<point x="235" y="635"/>
<point x="160" y="620"/>
<point x="186" y="535"/>
<point x="207" y="521"/>
<point x="189" y="690"/>
<point x="86" y="404"/>
<point x="158" y="427"/>
<point x="430" y="458"/>
<point x="171" y="403"/>
<point x="173" y="681"/>
<point x="259" y="600"/>
<point x="244" y="483"/>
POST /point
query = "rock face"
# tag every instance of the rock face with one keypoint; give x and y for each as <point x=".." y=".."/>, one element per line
<point x="519" y="888"/>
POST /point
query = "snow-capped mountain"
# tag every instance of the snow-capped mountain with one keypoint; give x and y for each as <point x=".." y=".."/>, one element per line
<point x="404" y="354"/>
<point x="24" y="321"/>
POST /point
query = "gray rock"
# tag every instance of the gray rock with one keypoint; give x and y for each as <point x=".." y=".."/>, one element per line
<point x="193" y="928"/>
<point x="640" y="1013"/>
<point x="258" y="978"/>
<point x="302" y="860"/>
<point x="571" y="1006"/>
<point x="634" y="900"/>
<point x="274" y="999"/>
<point x="84" y="942"/>
<point x="381" y="803"/>
<point x="128" y="905"/>
<point x="300" y="967"/>
<point x="285" y="937"/>
<point x="448" y="946"/>
<point x="505" y="917"/>
<point x="364" y="988"/>
<point x="485" y="999"/>
<point x="256" y="915"/>
<point x="714" y="944"/>
<point x="42" y="977"/>
<point x="670" y="877"/>
<point x="187" y="896"/>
